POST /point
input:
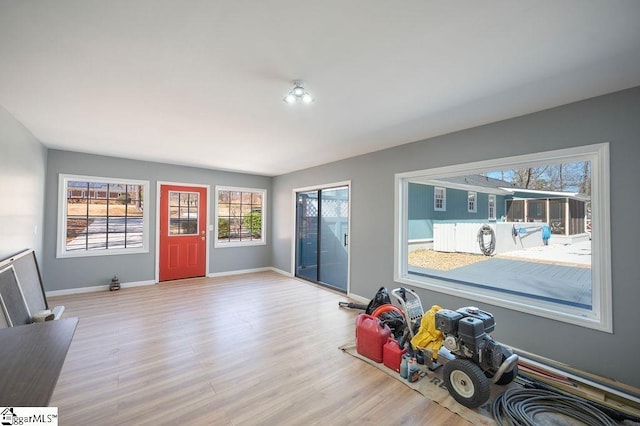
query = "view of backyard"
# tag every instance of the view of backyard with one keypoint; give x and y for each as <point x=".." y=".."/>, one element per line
<point x="513" y="232"/>
<point x="576" y="255"/>
<point x="443" y="261"/>
<point x="557" y="273"/>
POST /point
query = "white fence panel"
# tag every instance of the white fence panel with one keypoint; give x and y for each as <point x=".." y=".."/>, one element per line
<point x="444" y="237"/>
<point x="462" y="237"/>
<point x="467" y="237"/>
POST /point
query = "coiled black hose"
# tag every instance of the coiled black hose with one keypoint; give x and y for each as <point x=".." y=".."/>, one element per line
<point x="519" y="406"/>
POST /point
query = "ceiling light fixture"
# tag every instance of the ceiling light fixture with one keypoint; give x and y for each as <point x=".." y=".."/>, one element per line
<point x="298" y="94"/>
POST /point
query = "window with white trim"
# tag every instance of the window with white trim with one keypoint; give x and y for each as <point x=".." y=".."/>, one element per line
<point x="492" y="207"/>
<point x="101" y="216"/>
<point x="240" y="216"/>
<point x="471" y="202"/>
<point x="439" y="199"/>
<point x="568" y="279"/>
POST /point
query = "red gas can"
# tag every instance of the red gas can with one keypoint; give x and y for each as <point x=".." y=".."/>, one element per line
<point x="371" y="335"/>
<point x="392" y="354"/>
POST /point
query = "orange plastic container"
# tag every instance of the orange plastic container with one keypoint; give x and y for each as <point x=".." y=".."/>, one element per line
<point x="392" y="354"/>
<point x="371" y="335"/>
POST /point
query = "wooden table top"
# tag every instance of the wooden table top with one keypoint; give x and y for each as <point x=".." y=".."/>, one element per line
<point x="31" y="358"/>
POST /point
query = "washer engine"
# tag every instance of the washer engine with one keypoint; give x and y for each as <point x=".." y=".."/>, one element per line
<point x="466" y="334"/>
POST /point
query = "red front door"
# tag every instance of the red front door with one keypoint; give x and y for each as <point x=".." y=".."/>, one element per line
<point x="183" y="233"/>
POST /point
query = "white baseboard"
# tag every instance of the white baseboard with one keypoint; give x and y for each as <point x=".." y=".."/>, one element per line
<point x="138" y="284"/>
<point x="358" y="298"/>
<point x="281" y="272"/>
<point x="239" y="272"/>
<point x="96" y="288"/>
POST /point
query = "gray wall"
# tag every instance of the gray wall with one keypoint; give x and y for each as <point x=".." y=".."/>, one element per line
<point x="23" y="162"/>
<point x="613" y="118"/>
<point x="68" y="273"/>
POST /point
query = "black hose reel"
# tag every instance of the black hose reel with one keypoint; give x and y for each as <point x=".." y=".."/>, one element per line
<point x="487" y="247"/>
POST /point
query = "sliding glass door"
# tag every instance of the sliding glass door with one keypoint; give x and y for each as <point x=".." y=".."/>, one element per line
<point x="322" y="236"/>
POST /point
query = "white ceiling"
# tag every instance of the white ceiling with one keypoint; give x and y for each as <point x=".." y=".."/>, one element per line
<point x="201" y="82"/>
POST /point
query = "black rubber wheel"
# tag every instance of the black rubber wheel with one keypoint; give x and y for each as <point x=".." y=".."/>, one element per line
<point x="507" y="377"/>
<point x="466" y="382"/>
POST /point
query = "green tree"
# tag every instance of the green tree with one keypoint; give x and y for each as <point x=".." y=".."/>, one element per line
<point x="253" y="223"/>
<point x="223" y="228"/>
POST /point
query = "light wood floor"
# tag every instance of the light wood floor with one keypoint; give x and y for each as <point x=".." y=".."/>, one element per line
<point x="249" y="349"/>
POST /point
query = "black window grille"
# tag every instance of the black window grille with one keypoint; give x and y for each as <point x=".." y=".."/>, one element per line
<point x="103" y="216"/>
<point x="240" y="216"/>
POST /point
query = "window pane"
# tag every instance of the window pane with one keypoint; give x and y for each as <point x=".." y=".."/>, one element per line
<point x="117" y="233"/>
<point x="116" y="207"/>
<point x="102" y="215"/>
<point x="174" y="198"/>
<point x="189" y="227"/>
<point x="77" y="244"/>
<point x="235" y="210"/>
<point x="235" y="197"/>
<point x="223" y="228"/>
<point x="534" y="255"/>
<point x="96" y="241"/>
<point x="235" y="228"/>
<point x="174" y="227"/>
<point x="471" y="202"/>
<point x="98" y="225"/>
<point x="183" y="213"/>
<point x="240" y="216"/>
<point x="76" y="229"/>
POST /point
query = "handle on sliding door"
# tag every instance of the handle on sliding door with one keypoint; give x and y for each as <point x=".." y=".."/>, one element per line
<point x="345" y="239"/>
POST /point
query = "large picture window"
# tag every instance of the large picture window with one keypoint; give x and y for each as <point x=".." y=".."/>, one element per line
<point x="240" y="216"/>
<point x="99" y="216"/>
<point x="539" y="242"/>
